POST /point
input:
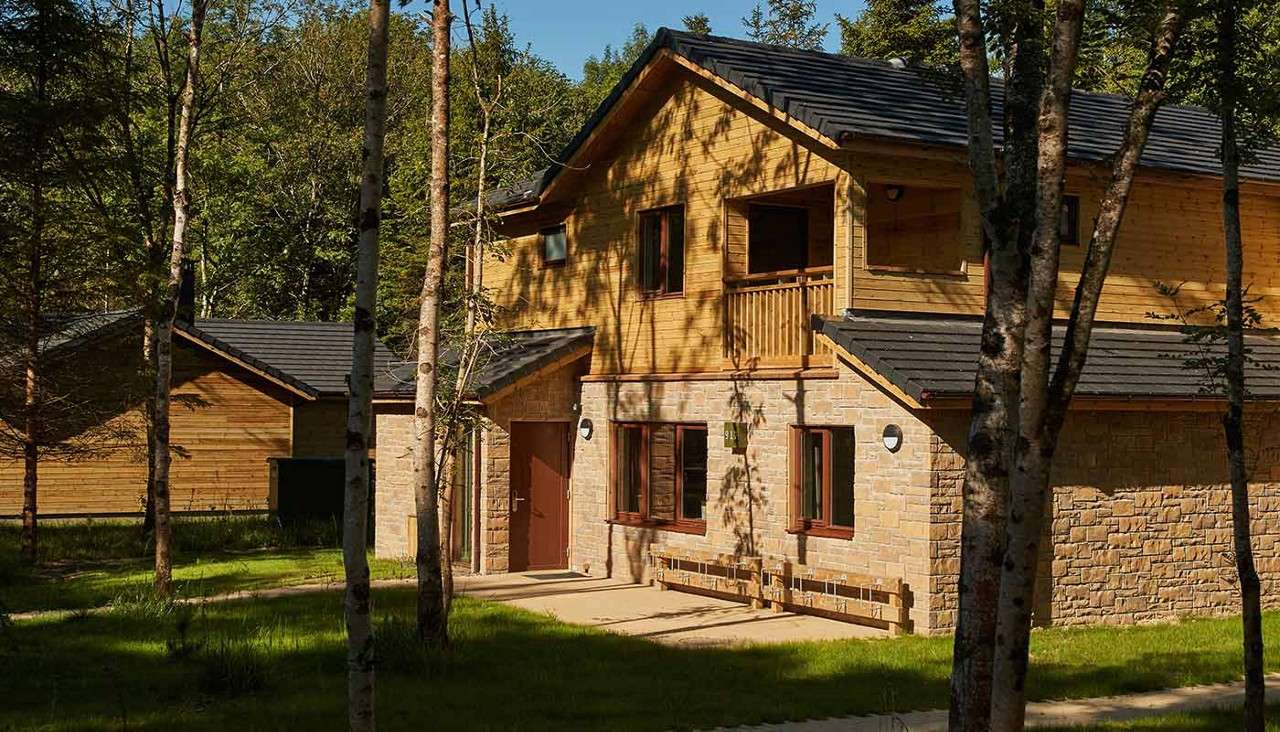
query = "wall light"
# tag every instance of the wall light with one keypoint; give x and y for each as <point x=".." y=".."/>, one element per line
<point x="892" y="437"/>
<point x="894" y="192"/>
<point x="585" y="428"/>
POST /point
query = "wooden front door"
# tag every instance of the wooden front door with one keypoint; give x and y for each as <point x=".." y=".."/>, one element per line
<point x="539" y="495"/>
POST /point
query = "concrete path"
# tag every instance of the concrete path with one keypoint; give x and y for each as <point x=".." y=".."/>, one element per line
<point x="677" y="618"/>
<point x="1072" y="713"/>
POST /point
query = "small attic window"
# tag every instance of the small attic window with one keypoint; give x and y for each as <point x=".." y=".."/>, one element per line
<point x="553" y="242"/>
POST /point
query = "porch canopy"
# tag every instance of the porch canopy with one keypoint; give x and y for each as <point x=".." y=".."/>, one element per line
<point x="506" y="359"/>
<point x="930" y="360"/>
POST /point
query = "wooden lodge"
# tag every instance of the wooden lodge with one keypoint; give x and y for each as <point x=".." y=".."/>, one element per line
<point x="741" y="323"/>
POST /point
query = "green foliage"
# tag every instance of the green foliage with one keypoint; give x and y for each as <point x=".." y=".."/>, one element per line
<point x="106" y="539"/>
<point x="786" y="23"/>
<point x="697" y="23"/>
<point x="1204" y="328"/>
<point x="1196" y="79"/>
<point x="919" y="31"/>
<point x="601" y="73"/>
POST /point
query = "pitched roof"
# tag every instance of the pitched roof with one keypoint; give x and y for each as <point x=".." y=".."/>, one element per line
<point x="929" y="357"/>
<point x="847" y="98"/>
<point x="315" y="355"/>
<point x="312" y="358"/>
<point x="511" y="356"/>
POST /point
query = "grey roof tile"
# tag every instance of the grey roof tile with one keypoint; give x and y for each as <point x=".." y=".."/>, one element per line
<point x="844" y="97"/>
<point x="509" y="357"/>
<point x="936" y="356"/>
<point x="316" y="355"/>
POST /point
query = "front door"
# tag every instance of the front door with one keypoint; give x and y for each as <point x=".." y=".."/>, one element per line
<point x="539" y="495"/>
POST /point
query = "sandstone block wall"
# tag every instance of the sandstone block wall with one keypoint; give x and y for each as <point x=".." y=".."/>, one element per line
<point x="747" y="494"/>
<point x="1141" y="517"/>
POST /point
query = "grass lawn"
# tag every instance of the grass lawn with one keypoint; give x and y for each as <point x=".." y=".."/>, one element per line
<point x="273" y="664"/>
<point x="94" y="563"/>
<point x="1209" y="720"/>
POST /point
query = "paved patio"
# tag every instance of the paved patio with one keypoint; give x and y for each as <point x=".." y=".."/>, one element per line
<point x="677" y="618"/>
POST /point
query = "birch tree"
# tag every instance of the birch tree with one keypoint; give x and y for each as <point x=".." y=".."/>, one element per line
<point x="433" y="623"/>
<point x="164" y="326"/>
<point x="1020" y="404"/>
<point x="357" y="599"/>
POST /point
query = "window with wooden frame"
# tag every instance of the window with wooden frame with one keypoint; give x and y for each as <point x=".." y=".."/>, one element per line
<point x="553" y="244"/>
<point x="661" y="265"/>
<point x="1069" y="225"/>
<point x="822" y="460"/>
<point x="660" y="475"/>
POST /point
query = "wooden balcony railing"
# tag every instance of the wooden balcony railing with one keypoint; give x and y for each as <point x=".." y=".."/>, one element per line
<point x="767" y="319"/>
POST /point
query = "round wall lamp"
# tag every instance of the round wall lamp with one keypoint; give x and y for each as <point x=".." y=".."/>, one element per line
<point x="585" y="428"/>
<point x="892" y="438"/>
<point x="894" y="192"/>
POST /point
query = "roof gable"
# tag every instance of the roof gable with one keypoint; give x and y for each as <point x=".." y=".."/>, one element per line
<point x="843" y="99"/>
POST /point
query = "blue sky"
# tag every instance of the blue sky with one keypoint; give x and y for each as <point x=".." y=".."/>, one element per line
<point x="566" y="32"/>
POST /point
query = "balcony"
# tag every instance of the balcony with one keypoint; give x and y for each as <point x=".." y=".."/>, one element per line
<point x="767" y="318"/>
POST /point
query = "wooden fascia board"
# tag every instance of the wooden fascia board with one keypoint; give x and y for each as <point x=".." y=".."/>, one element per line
<point x="636" y="87"/>
<point x="543" y="370"/>
<point x="246" y="366"/>
<point x="749" y="98"/>
<point x="862" y="367"/>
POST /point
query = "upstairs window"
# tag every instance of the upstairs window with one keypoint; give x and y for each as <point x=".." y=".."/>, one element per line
<point x="822" y="481"/>
<point x="553" y="242"/>
<point x="661" y="265"/>
<point x="1069" y="226"/>
<point x="660" y="475"/>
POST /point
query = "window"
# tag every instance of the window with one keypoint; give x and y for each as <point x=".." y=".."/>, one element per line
<point x="1069" y="226"/>
<point x="822" y="481"/>
<point x="554" y="244"/>
<point x="660" y="475"/>
<point x="662" y="250"/>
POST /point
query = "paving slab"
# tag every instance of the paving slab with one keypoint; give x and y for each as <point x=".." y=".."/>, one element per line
<point x="677" y="618"/>
<point x="1067" y="713"/>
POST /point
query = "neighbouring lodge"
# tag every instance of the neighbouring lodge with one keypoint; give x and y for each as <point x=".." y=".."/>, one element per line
<point x="742" y="321"/>
<point x="258" y="414"/>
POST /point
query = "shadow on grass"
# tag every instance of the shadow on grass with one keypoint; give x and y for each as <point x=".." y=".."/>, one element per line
<point x="513" y="669"/>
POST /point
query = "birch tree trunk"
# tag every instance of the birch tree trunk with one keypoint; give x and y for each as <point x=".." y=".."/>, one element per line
<point x="357" y="602"/>
<point x="1044" y="402"/>
<point x="164" y="326"/>
<point x="433" y="624"/>
<point x="1005" y="220"/>
<point x="1233" y="420"/>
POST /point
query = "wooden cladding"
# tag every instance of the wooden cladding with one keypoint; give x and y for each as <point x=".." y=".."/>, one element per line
<point x="767" y="319"/>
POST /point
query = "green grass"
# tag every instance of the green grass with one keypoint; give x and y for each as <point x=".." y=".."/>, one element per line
<point x="86" y="564"/>
<point x="1207" y="720"/>
<point x="278" y="664"/>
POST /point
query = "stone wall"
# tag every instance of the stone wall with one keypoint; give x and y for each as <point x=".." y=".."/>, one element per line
<point x="747" y="501"/>
<point x="393" y="495"/>
<point x="548" y="398"/>
<point x="1141" y="517"/>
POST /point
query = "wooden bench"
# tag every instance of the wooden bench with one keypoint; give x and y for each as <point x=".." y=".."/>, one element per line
<point x="785" y="585"/>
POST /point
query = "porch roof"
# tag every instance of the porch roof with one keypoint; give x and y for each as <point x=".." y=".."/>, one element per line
<point x="933" y="357"/>
<point x="507" y="358"/>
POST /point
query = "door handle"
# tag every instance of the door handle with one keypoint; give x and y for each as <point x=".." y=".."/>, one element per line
<point x="516" y="505"/>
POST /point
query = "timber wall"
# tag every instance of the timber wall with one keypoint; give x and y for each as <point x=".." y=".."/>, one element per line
<point x="691" y="142"/>
<point x="225" y="424"/>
